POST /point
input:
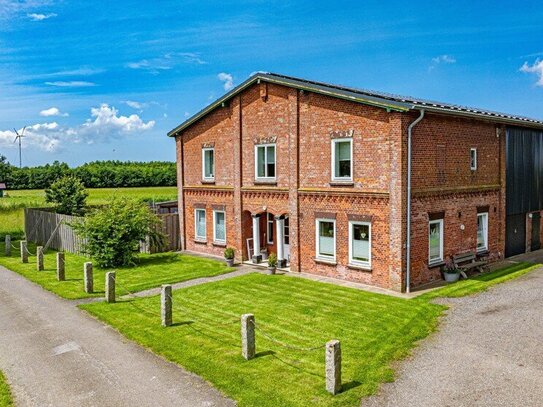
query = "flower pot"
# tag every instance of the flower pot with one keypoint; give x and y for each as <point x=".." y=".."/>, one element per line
<point x="451" y="277"/>
<point x="271" y="270"/>
<point x="230" y="262"/>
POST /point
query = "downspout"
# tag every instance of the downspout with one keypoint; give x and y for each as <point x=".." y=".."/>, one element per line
<point x="408" y="240"/>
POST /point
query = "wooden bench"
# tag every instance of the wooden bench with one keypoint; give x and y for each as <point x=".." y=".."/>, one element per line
<point x="468" y="261"/>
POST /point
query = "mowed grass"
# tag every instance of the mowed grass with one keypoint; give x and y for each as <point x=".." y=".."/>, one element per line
<point x="5" y="394"/>
<point x="374" y="331"/>
<point x="11" y="207"/>
<point x="150" y="270"/>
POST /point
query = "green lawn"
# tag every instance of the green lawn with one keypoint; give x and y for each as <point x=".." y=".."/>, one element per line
<point x="5" y="394"/>
<point x="374" y="330"/>
<point x="11" y="207"/>
<point x="150" y="271"/>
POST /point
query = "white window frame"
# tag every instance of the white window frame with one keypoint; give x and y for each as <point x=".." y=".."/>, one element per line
<point x="366" y="264"/>
<point x="333" y="168"/>
<point x="269" y="226"/>
<point x="215" y="240"/>
<point x="485" y="229"/>
<point x="204" y="164"/>
<point x="266" y="146"/>
<point x="473" y="163"/>
<point x="440" y="260"/>
<point x="317" y="251"/>
<point x="204" y="237"/>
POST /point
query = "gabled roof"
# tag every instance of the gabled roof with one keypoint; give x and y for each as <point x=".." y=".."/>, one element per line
<point x="380" y="99"/>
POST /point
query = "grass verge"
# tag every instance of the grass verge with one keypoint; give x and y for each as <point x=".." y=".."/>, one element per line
<point x="5" y="394"/>
<point x="150" y="271"/>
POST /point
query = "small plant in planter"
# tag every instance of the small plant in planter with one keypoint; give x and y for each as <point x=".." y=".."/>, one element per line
<point x="229" y="256"/>
<point x="451" y="272"/>
<point x="272" y="263"/>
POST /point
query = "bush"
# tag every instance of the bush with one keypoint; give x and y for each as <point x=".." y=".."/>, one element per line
<point x="272" y="260"/>
<point x="113" y="232"/>
<point x="68" y="196"/>
<point x="229" y="253"/>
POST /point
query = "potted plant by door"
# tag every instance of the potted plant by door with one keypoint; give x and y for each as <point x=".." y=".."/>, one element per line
<point x="229" y="256"/>
<point x="272" y="263"/>
<point x="451" y="272"/>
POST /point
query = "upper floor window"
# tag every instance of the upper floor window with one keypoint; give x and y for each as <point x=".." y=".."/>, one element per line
<point x="326" y="239"/>
<point x="342" y="159"/>
<point x="265" y="162"/>
<point x="360" y="243"/>
<point x="208" y="164"/>
<point x="473" y="159"/>
<point x="482" y="232"/>
<point x="435" y="241"/>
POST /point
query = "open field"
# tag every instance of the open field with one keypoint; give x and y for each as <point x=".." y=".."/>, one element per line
<point x="5" y="394"/>
<point x="11" y="207"/>
<point x="150" y="271"/>
<point x="374" y="330"/>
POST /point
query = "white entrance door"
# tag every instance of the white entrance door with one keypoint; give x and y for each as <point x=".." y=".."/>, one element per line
<point x="287" y="240"/>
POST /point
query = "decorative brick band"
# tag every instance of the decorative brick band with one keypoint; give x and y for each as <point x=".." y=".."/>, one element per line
<point x="359" y="218"/>
<point x="325" y="215"/>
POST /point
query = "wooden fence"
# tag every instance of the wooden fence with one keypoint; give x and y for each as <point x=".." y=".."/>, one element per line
<point x="44" y="227"/>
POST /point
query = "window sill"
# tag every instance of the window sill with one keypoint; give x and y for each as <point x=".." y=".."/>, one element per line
<point x="208" y="181"/>
<point x="329" y="262"/>
<point x="436" y="264"/>
<point x="219" y="244"/>
<point x="359" y="267"/>
<point x="342" y="183"/>
<point x="483" y="253"/>
<point x="265" y="182"/>
<point x="200" y="241"/>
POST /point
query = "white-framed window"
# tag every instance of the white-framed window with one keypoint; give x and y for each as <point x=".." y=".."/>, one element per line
<point x="200" y="224"/>
<point x="473" y="159"/>
<point x="269" y="232"/>
<point x="482" y="232"/>
<point x="435" y="241"/>
<point x="219" y="226"/>
<point x="342" y="159"/>
<point x="326" y="239"/>
<point x="360" y="243"/>
<point x="265" y="162"/>
<point x="208" y="164"/>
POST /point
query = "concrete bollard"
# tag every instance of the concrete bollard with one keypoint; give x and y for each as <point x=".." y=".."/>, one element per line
<point x="89" y="281"/>
<point x="333" y="367"/>
<point x="166" y="305"/>
<point x="39" y="258"/>
<point x="248" y="347"/>
<point x="8" y="245"/>
<point x="61" y="275"/>
<point x="110" y="287"/>
<point x="24" y="251"/>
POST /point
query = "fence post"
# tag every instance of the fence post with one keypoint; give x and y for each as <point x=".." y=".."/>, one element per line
<point x="8" y="245"/>
<point x="24" y="251"/>
<point x="110" y="286"/>
<point x="333" y="367"/>
<point x="61" y="276"/>
<point x="248" y="347"/>
<point x="166" y="305"/>
<point x="89" y="282"/>
<point x="39" y="258"/>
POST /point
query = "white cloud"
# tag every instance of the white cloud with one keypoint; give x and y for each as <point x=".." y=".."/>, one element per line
<point x="442" y="59"/>
<point x="167" y="61"/>
<point x="105" y="124"/>
<point x="135" y="105"/>
<point x="40" y="17"/>
<point x="71" y="84"/>
<point x="227" y="79"/>
<point x="536" y="67"/>
<point x="53" y="111"/>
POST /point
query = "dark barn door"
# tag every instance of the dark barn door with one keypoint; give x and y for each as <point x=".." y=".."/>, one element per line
<point x="536" y="239"/>
<point x="515" y="235"/>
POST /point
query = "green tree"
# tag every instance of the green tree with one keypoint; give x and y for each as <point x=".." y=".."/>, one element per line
<point x="68" y="195"/>
<point x="113" y="232"/>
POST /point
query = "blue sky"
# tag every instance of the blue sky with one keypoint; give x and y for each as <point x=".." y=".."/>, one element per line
<point x="107" y="80"/>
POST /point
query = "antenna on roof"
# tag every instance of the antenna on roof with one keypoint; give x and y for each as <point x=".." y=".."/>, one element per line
<point x="20" y="136"/>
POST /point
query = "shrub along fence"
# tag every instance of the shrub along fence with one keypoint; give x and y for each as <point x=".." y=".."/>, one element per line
<point x="53" y="230"/>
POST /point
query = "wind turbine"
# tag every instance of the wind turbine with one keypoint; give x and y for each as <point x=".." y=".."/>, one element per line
<point x="20" y="136"/>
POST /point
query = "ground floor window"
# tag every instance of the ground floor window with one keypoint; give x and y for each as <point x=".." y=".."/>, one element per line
<point x="482" y="232"/>
<point x="326" y="239"/>
<point x="219" y="227"/>
<point x="200" y="224"/>
<point x="435" y="240"/>
<point x="360" y="243"/>
<point x="270" y="228"/>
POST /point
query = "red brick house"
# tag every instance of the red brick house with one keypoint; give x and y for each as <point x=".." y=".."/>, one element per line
<point x="331" y="179"/>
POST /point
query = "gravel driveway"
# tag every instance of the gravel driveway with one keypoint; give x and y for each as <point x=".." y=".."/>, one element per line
<point x="488" y="352"/>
